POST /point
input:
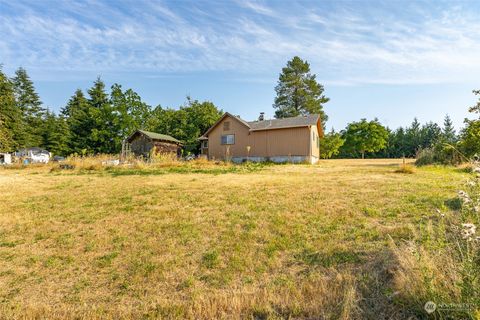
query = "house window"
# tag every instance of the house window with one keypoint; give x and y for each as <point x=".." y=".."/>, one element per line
<point x="205" y="144"/>
<point x="226" y="126"/>
<point x="228" y="139"/>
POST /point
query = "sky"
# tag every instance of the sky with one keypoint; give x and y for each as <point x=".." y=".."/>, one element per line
<point x="394" y="60"/>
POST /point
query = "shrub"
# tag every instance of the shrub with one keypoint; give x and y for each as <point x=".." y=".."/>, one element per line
<point x="441" y="153"/>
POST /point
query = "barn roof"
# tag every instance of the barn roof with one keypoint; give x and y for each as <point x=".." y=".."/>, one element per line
<point x="155" y="136"/>
<point x="300" y="121"/>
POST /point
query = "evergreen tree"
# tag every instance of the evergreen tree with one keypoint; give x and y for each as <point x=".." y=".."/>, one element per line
<point x="298" y="92"/>
<point x="80" y="123"/>
<point x="448" y="132"/>
<point x="55" y="134"/>
<point x="12" y="127"/>
<point x="103" y="138"/>
<point x="28" y="101"/>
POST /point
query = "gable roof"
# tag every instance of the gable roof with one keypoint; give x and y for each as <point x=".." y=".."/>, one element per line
<point x="300" y="121"/>
<point x="226" y="114"/>
<point x="155" y="136"/>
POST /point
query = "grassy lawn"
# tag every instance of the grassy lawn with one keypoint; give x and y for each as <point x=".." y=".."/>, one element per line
<point x="276" y="241"/>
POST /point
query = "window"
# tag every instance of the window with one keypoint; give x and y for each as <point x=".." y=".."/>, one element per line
<point x="226" y="126"/>
<point x="205" y="144"/>
<point x="228" y="139"/>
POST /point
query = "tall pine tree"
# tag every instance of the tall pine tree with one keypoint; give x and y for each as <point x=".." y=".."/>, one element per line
<point x="448" y="132"/>
<point x="298" y="92"/>
<point x="80" y="123"/>
<point x="28" y="101"/>
<point x="11" y="126"/>
<point x="104" y="131"/>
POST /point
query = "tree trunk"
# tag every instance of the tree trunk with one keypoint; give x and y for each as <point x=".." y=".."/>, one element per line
<point x="363" y="154"/>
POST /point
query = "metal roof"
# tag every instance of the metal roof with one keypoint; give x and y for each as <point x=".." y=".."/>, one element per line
<point x="156" y="136"/>
<point x="300" y="121"/>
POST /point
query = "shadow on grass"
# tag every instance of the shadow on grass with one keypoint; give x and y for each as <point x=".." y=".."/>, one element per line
<point x="453" y="204"/>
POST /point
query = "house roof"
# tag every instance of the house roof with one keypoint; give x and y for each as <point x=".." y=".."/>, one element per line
<point x="292" y="122"/>
<point x="226" y="114"/>
<point x="155" y="136"/>
<point x="300" y="121"/>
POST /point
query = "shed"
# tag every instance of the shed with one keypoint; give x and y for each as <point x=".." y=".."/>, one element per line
<point x="141" y="143"/>
<point x="5" y="158"/>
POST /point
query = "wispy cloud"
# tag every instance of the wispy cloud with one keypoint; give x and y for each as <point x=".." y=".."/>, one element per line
<point x="359" y="43"/>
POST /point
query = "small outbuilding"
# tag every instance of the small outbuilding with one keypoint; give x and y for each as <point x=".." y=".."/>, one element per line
<point x="143" y="143"/>
<point x="5" y="158"/>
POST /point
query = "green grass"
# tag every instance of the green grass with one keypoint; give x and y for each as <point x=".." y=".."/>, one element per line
<point x="212" y="242"/>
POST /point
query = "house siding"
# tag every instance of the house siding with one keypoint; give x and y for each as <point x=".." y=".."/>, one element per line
<point x="286" y="144"/>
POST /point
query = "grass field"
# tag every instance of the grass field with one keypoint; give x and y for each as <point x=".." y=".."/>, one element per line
<point x="274" y="241"/>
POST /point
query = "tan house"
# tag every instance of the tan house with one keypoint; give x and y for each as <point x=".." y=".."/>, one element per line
<point x="293" y="139"/>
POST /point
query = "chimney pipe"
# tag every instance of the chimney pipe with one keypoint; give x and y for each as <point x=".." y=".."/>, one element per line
<point x="262" y="116"/>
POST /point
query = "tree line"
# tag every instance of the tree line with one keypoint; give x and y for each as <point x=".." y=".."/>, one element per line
<point x="96" y="121"/>
<point x="92" y="122"/>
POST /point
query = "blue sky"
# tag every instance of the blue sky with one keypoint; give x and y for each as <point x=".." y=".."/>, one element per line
<point x="394" y="60"/>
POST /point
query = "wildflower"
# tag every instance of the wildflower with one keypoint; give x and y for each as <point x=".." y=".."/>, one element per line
<point x="468" y="231"/>
<point x="471" y="183"/>
<point x="464" y="196"/>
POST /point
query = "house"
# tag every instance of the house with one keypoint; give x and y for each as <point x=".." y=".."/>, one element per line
<point x="34" y="155"/>
<point x="295" y="139"/>
<point x="142" y="143"/>
<point x="5" y="158"/>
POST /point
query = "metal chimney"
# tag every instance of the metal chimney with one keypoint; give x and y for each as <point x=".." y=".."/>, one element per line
<point x="262" y="116"/>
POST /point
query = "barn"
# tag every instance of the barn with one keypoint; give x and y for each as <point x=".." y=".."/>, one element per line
<point x="143" y="143"/>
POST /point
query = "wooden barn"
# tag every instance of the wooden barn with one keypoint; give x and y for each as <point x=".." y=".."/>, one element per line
<point x="142" y="143"/>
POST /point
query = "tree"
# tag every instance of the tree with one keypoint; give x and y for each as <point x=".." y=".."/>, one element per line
<point x="187" y="123"/>
<point x="470" y="135"/>
<point x="364" y="136"/>
<point x="132" y="113"/>
<point x="80" y="123"/>
<point x="448" y="133"/>
<point x="298" y="92"/>
<point x="55" y="134"/>
<point x="330" y="144"/>
<point x="11" y="123"/>
<point x="28" y="101"/>
<point x="103" y="138"/>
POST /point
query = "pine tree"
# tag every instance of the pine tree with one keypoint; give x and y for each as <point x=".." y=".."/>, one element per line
<point x="80" y="123"/>
<point x="104" y="131"/>
<point x="448" y="132"/>
<point x="298" y="92"/>
<point x="11" y="124"/>
<point x="28" y="101"/>
<point x="55" y="134"/>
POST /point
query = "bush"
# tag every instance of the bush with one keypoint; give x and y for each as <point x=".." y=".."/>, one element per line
<point x="441" y="153"/>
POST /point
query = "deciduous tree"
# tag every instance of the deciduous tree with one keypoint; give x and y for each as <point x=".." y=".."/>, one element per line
<point x="364" y="136"/>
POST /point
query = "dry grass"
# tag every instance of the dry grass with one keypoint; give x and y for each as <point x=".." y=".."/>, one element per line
<point x="206" y="240"/>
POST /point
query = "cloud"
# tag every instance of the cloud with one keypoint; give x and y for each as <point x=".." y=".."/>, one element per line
<point x="365" y="43"/>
